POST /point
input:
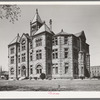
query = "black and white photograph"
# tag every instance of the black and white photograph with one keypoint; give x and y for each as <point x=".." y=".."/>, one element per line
<point x="49" y="47"/>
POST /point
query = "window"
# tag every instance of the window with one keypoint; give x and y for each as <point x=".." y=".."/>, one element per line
<point x="31" y="57"/>
<point x="55" y="53"/>
<point x="12" y="71"/>
<point x="12" y="50"/>
<point x="49" y="68"/>
<point x="30" y="45"/>
<point x="31" y="69"/>
<point x="23" y="57"/>
<point x="19" y="48"/>
<point x="19" y="71"/>
<point x="23" y="45"/>
<point x="65" y="40"/>
<point x="66" y="53"/>
<point x="82" y="70"/>
<point x="66" y="68"/>
<point x="55" y="68"/>
<point x="39" y="54"/>
<point x="12" y="60"/>
<point x="39" y="69"/>
<point x="75" y="68"/>
<point x="38" y="42"/>
<point x="55" y="41"/>
<point x="18" y="58"/>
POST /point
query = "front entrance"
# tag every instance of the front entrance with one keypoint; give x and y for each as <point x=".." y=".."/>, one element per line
<point x="23" y="71"/>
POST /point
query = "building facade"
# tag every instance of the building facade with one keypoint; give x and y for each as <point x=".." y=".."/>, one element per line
<point x="60" y="55"/>
<point x="95" y="71"/>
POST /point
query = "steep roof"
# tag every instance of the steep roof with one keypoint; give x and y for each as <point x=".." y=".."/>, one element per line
<point x="80" y="34"/>
<point x="36" y="18"/>
<point x="63" y="33"/>
<point x="15" y="40"/>
<point x="43" y="28"/>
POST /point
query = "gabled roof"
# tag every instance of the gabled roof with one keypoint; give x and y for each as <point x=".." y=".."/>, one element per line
<point x="36" y="18"/>
<point x="15" y="40"/>
<point x="63" y="33"/>
<point x="80" y="34"/>
<point x="43" y="28"/>
<point x="26" y="35"/>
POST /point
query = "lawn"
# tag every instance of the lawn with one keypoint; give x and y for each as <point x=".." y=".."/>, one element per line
<point x="51" y="85"/>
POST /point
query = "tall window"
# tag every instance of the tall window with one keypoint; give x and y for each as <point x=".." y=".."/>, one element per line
<point x="23" y="57"/>
<point x="75" y="68"/>
<point x="30" y="45"/>
<point x="55" y="68"/>
<point x="19" y="48"/>
<point x="66" y="68"/>
<point x="38" y="42"/>
<point x="18" y="58"/>
<point x="31" y="69"/>
<point x="39" y="54"/>
<point x="31" y="57"/>
<point x="12" y="60"/>
<point x="23" y="47"/>
<point x="23" y="44"/>
<point x="66" y="53"/>
<point x="12" y="50"/>
<point x="12" y="71"/>
<point x="55" y="53"/>
<point x="19" y="71"/>
<point x="65" y="40"/>
<point x="39" y="69"/>
<point x="55" y="41"/>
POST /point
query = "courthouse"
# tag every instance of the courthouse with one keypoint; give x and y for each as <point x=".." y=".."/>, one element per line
<point x="57" y="55"/>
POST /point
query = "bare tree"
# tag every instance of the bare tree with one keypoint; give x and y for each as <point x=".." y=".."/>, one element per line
<point x="10" y="12"/>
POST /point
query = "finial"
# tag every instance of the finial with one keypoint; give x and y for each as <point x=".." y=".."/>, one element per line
<point x="37" y="11"/>
<point x="50" y="21"/>
<point x="18" y="34"/>
<point x="62" y="30"/>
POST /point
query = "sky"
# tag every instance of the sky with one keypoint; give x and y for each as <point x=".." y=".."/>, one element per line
<point x="70" y="18"/>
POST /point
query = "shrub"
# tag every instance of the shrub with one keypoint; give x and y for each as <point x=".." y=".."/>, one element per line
<point x="42" y="76"/>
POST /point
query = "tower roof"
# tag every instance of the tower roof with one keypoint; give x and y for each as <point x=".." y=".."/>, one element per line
<point x="36" y="17"/>
<point x="62" y="33"/>
<point x="15" y="40"/>
<point x="43" y="28"/>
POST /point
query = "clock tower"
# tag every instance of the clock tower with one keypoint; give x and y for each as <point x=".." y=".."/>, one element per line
<point x="35" y="24"/>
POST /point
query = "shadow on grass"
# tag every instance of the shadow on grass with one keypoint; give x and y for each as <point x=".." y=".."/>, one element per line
<point x="17" y="88"/>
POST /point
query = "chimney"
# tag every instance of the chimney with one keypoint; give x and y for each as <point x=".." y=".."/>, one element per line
<point x="50" y="22"/>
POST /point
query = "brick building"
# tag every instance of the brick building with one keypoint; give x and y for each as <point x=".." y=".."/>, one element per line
<point x="60" y="55"/>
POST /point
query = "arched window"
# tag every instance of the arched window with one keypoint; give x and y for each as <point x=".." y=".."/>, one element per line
<point x="12" y="71"/>
<point x="39" y="69"/>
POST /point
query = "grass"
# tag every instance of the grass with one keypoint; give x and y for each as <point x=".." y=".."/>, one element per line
<point x="50" y="85"/>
